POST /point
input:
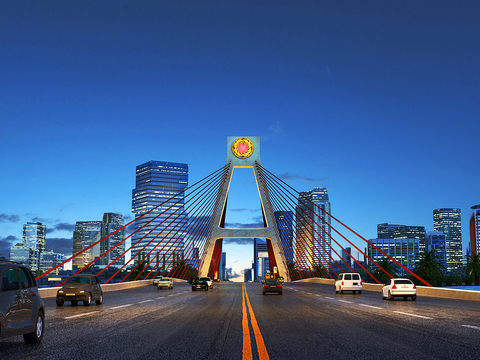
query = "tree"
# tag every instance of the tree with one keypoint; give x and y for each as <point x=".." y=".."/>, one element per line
<point x="429" y="268"/>
<point x="3" y="258"/>
<point x="389" y="266"/>
<point x="473" y="267"/>
<point x="139" y="269"/>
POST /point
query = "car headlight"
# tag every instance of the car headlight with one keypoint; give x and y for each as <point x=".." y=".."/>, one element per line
<point x="60" y="291"/>
<point x="82" y="291"/>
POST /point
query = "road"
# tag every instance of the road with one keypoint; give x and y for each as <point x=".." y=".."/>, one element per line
<point x="309" y="321"/>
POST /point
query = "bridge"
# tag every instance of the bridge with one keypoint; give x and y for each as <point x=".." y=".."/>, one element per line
<point x="234" y="321"/>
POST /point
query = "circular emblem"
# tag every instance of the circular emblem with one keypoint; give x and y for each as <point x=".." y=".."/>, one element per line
<point x="242" y="148"/>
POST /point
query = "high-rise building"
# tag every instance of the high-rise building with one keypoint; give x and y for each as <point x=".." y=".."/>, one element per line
<point x="448" y="221"/>
<point x="261" y="264"/>
<point x="405" y="251"/>
<point x="313" y="242"/>
<point x="222" y="275"/>
<point x="111" y="223"/>
<point x="436" y="240"/>
<point x="163" y="230"/>
<point x="475" y="230"/>
<point x="49" y="259"/>
<point x="284" y="220"/>
<point x="29" y="256"/>
<point x="411" y="232"/>
<point x="85" y="234"/>
<point x="386" y="230"/>
<point x="34" y="235"/>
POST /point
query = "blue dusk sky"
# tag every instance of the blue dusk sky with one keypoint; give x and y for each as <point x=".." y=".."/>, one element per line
<point x="378" y="101"/>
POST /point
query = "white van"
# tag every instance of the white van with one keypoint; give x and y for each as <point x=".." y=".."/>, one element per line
<point x="348" y="281"/>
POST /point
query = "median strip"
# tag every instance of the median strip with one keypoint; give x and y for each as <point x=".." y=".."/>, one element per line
<point x="262" y="350"/>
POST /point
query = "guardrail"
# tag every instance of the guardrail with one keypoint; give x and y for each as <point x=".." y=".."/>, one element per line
<point x="51" y="292"/>
<point x="435" y="292"/>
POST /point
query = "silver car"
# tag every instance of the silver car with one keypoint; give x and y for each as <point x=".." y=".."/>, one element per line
<point x="22" y="311"/>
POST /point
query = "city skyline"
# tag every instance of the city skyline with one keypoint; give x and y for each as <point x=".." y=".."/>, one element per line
<point x="377" y="103"/>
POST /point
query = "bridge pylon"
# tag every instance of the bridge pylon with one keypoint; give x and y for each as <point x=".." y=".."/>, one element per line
<point x="243" y="152"/>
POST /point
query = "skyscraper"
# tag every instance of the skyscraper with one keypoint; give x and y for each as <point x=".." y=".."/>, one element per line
<point x="85" y="234"/>
<point x="435" y="240"/>
<point x="34" y="235"/>
<point x="386" y="230"/>
<point x="405" y="251"/>
<point x="156" y="183"/>
<point x="111" y="223"/>
<point x="411" y="232"/>
<point x="475" y="230"/>
<point x="261" y="263"/>
<point x="448" y="221"/>
<point x="284" y="220"/>
<point x="313" y="228"/>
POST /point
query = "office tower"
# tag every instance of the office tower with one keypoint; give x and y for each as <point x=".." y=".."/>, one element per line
<point x="111" y="223"/>
<point x="34" y="235"/>
<point x="313" y="229"/>
<point x="405" y="251"/>
<point x="436" y="240"/>
<point x="222" y="275"/>
<point x="247" y="275"/>
<point x="284" y="220"/>
<point x="85" y="234"/>
<point x="49" y="259"/>
<point x="261" y="264"/>
<point x="448" y="221"/>
<point x="411" y="232"/>
<point x="160" y="183"/>
<point x="386" y="230"/>
<point x="26" y="255"/>
<point x="475" y="230"/>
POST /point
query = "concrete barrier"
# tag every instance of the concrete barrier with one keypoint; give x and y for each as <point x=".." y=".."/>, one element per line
<point x="435" y="292"/>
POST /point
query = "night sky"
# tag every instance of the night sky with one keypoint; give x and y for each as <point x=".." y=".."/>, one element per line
<point x="377" y="101"/>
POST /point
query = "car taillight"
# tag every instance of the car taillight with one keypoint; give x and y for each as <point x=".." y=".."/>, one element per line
<point x="279" y="285"/>
<point x="265" y="285"/>
<point x="394" y="286"/>
<point x="414" y="286"/>
<point x="342" y="282"/>
<point x="361" y="282"/>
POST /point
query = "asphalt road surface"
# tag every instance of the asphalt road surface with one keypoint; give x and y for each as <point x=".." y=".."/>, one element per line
<point x="234" y="321"/>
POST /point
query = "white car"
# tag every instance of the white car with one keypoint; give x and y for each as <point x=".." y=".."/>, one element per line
<point x="349" y="282"/>
<point x="399" y="287"/>
<point x="208" y="280"/>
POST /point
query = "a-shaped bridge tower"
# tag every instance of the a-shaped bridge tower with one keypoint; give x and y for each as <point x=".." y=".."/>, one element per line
<point x="243" y="152"/>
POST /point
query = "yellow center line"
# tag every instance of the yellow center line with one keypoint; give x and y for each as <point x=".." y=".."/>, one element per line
<point x="262" y="350"/>
<point x="247" y="345"/>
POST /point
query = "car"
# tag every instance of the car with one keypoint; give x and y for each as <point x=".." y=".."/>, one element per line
<point x="192" y="279"/>
<point x="208" y="280"/>
<point x="272" y="285"/>
<point x="22" y="310"/>
<point x="165" y="282"/>
<point x="200" y="284"/>
<point x="399" y="287"/>
<point x="156" y="280"/>
<point x="82" y="287"/>
<point x="348" y="282"/>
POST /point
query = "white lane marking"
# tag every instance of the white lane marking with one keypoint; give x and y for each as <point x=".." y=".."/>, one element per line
<point x="121" y="306"/>
<point x="419" y="316"/>
<point x="78" y="315"/>
<point x="328" y="298"/>
<point x="472" y="327"/>
<point x="161" y="297"/>
<point x="141" y="302"/>
<point x="345" y="301"/>
<point x="172" y="295"/>
<point x="370" y="306"/>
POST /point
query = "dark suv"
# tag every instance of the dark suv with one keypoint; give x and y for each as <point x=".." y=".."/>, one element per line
<point x="22" y="311"/>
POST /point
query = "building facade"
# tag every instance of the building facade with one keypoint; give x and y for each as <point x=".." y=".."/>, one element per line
<point x="26" y="255"/>
<point x="34" y="235"/>
<point x="284" y="220"/>
<point x="261" y="264"/>
<point x="475" y="230"/>
<point x="436" y="240"/>
<point x="405" y="251"/>
<point x="161" y="231"/>
<point x="49" y="259"/>
<point x="411" y="232"/>
<point x="448" y="221"/>
<point x="313" y="230"/>
<point x="85" y="234"/>
<point x="112" y="222"/>
<point x="387" y="230"/>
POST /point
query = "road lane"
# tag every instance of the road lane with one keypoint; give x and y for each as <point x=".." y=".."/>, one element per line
<point x="307" y="321"/>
